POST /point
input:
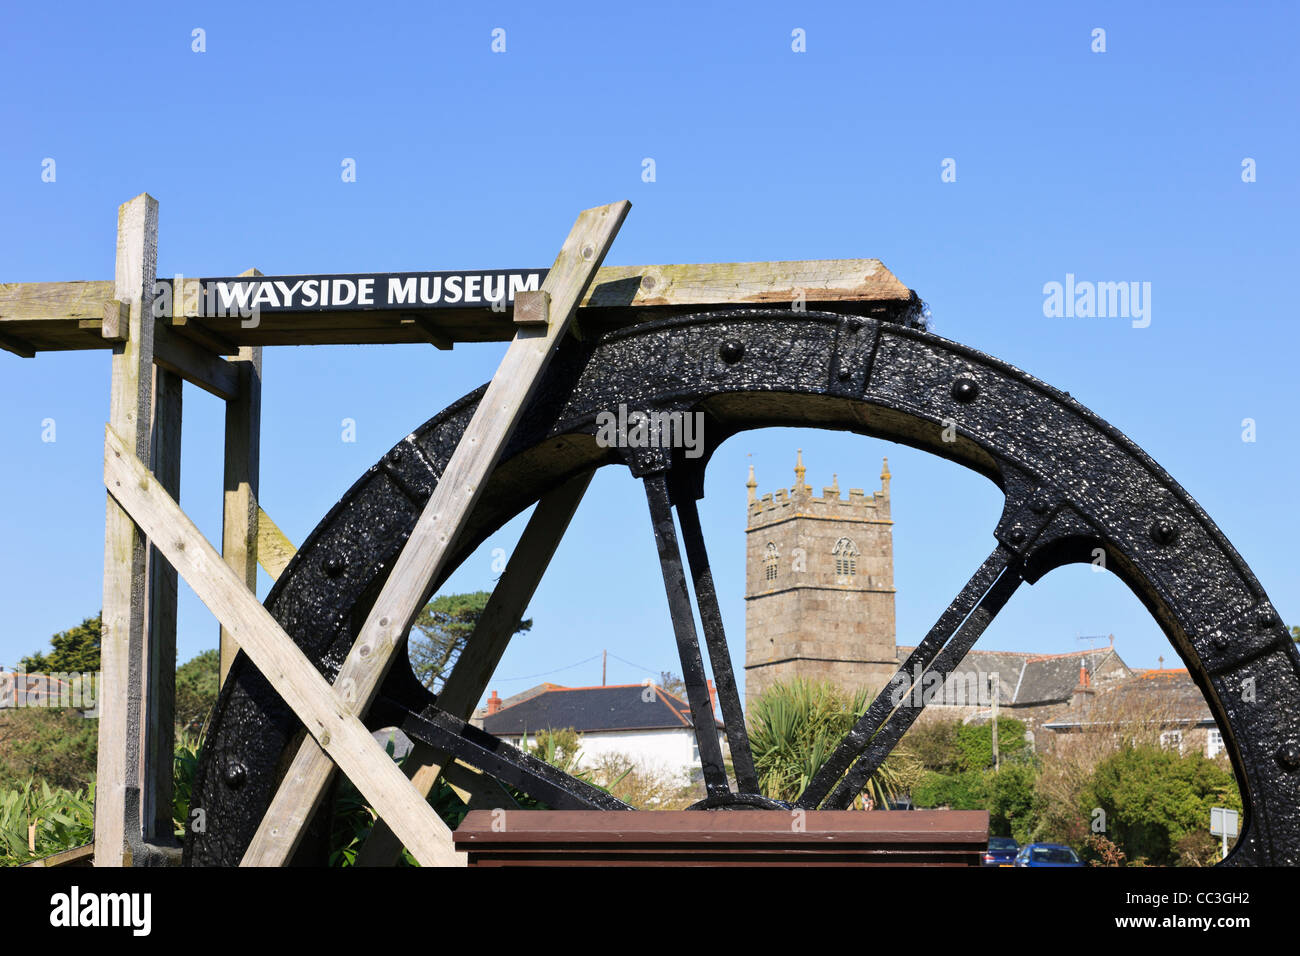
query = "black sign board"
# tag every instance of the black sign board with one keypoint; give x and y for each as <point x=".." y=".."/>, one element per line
<point x="361" y="292"/>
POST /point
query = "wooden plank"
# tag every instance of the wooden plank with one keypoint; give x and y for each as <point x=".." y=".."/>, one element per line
<point x="478" y="790"/>
<point x="19" y="347"/>
<point x="242" y="459"/>
<point x="159" y="702"/>
<point x="492" y="633"/>
<point x="118" y="822"/>
<point x="203" y="336"/>
<point x="411" y="581"/>
<point x="329" y="722"/>
<point x="40" y="313"/>
<point x="274" y="549"/>
<point x="196" y="365"/>
<point x="432" y="331"/>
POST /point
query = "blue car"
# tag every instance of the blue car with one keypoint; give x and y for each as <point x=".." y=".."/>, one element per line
<point x="1001" y="852"/>
<point x="1047" y="854"/>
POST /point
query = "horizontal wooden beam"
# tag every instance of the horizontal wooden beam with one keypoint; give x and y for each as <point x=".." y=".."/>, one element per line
<point x="326" y="717"/>
<point x="195" y="364"/>
<point x="46" y="314"/>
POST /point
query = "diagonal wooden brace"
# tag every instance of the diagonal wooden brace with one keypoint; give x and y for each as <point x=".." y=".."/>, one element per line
<point x="332" y="726"/>
<point x="409" y="585"/>
<point x="469" y="677"/>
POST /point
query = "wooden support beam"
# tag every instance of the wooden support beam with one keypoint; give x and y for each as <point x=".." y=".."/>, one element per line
<point x="409" y="585"/>
<point x="118" y="820"/>
<point x="11" y="343"/>
<point x="243" y="454"/>
<point x="159" y="702"/>
<point x="274" y="549"/>
<point x="203" y="336"/>
<point x="328" y="720"/>
<point x="432" y="331"/>
<point x="478" y="790"/>
<point x="195" y="364"/>
<point x="492" y="633"/>
<point x="45" y="315"/>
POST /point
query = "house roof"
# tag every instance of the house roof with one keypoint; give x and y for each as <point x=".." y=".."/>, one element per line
<point x="1167" y="697"/>
<point x="1028" y="679"/>
<point x="593" y="709"/>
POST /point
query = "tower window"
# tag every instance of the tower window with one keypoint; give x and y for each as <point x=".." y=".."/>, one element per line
<point x="771" y="562"/>
<point x="846" y="558"/>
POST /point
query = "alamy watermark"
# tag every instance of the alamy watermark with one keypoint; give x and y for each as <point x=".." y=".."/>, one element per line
<point x="1103" y="300"/>
<point x="636" y="429"/>
<point x="21" y="689"/>
<point x="955" y="689"/>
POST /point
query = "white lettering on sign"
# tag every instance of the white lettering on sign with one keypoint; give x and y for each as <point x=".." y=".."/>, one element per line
<point x="263" y="294"/>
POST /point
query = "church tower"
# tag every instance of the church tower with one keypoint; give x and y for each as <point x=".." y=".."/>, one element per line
<point x="819" y="586"/>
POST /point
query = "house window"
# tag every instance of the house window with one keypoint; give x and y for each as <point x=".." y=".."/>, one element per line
<point x="1172" y="739"/>
<point x="771" y="562"/>
<point x="846" y="558"/>
<point x="1213" y="742"/>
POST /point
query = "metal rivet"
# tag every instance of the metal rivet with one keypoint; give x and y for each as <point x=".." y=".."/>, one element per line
<point x="1163" y="531"/>
<point x="965" y="390"/>
<point x="1289" y="756"/>
<point x="855" y="325"/>
<point x="732" y="351"/>
<point x="334" y="565"/>
<point x="844" y="374"/>
<point x="236" y="775"/>
<point x="1266" y="620"/>
<point x="395" y="455"/>
<point x="1016" y="535"/>
<point x="588" y="251"/>
<point x="648" y="283"/>
<point x="1219" y="640"/>
<point x="1039" y="503"/>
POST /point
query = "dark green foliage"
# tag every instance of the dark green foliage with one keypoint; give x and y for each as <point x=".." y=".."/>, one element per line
<point x="956" y="791"/>
<point x="440" y="632"/>
<point x="1153" y="797"/>
<point x="63" y="819"/>
<point x="1013" y="800"/>
<point x="197" y="685"/>
<point x="934" y="744"/>
<point x="975" y="743"/>
<point x="54" y="745"/>
<point x="75" y="650"/>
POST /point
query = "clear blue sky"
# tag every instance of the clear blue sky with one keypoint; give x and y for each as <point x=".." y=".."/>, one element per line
<point x="1116" y="166"/>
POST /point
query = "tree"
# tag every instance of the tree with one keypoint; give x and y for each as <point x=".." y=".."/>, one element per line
<point x="673" y="684"/>
<point x="76" y="650"/>
<point x="197" y="686"/>
<point x="975" y="743"/>
<point x="1154" y="797"/>
<point x="794" y="727"/>
<point x="440" y="632"/>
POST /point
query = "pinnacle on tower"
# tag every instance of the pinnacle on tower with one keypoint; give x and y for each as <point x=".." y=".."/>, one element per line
<point x="884" y="475"/>
<point x="751" y="484"/>
<point x="799" y="472"/>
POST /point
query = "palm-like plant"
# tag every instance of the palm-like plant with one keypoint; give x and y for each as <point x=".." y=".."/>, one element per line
<point x="795" y="726"/>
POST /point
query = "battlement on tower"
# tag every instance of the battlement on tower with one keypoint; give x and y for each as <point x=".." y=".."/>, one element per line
<point x="801" y="501"/>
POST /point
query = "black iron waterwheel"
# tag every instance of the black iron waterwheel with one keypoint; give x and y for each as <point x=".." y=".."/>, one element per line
<point x="1072" y="484"/>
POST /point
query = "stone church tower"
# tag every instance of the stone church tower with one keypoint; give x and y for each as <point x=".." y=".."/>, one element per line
<point x="819" y="586"/>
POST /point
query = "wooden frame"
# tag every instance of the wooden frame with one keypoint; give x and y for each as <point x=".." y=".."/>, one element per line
<point x="149" y="540"/>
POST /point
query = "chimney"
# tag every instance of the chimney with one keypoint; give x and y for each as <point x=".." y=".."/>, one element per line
<point x="494" y="704"/>
<point x="1083" y="692"/>
<point x="713" y="697"/>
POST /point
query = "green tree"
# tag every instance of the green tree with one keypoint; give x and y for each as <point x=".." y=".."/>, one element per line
<point x="440" y="632"/>
<point x="975" y="743"/>
<point x="53" y="745"/>
<point x="1154" y="797"/>
<point x="672" y="684"/>
<point x="794" y="727"/>
<point x="197" y="686"/>
<point x="74" y="650"/>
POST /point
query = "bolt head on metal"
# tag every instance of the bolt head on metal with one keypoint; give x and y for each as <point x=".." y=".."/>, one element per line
<point x="236" y="775"/>
<point x="588" y="252"/>
<point x="1164" y="532"/>
<point x="334" y="565"/>
<point x="1266" y="620"/>
<point x="965" y="390"/>
<point x="1016" y="535"/>
<point x="732" y="351"/>
<point x="1289" y="756"/>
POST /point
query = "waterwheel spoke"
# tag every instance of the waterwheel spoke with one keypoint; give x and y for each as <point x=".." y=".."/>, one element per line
<point x="715" y="639"/>
<point x="688" y="645"/>
<point x="884" y="742"/>
<point x="868" y="726"/>
<point x="446" y="733"/>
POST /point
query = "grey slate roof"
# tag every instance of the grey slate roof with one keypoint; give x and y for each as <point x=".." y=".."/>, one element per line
<point x="1027" y="679"/>
<point x="1169" y="697"/>
<point x="592" y="709"/>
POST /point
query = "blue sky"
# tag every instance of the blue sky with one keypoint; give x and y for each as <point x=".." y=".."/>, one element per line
<point x="1117" y="166"/>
